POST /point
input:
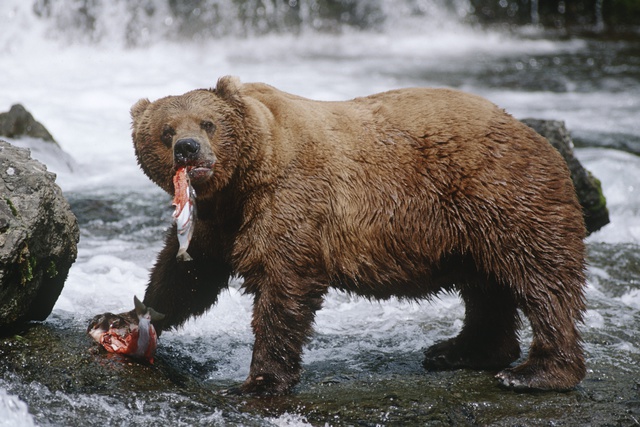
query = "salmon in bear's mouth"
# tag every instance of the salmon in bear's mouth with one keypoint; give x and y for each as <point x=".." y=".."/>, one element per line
<point x="184" y="200"/>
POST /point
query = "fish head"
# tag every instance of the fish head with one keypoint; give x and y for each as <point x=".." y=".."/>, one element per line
<point x="130" y="333"/>
<point x="116" y="333"/>
<point x="109" y="322"/>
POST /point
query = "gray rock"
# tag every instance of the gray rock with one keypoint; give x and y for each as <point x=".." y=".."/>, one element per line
<point x="38" y="238"/>
<point x="588" y="187"/>
<point x="19" y="122"/>
<point x="22" y="130"/>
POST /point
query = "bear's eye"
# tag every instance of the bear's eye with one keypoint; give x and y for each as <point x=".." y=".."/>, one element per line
<point x="167" y="136"/>
<point x="208" y="126"/>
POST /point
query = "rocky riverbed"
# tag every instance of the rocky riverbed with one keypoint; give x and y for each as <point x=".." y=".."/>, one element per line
<point x="65" y="380"/>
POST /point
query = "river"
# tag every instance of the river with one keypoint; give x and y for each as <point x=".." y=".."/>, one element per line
<point x="80" y="84"/>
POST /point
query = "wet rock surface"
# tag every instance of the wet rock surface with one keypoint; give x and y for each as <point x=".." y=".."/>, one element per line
<point x="38" y="238"/>
<point x="18" y="122"/>
<point x="21" y="129"/>
<point x="65" y="379"/>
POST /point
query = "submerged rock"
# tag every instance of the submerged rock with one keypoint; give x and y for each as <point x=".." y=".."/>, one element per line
<point x="65" y="380"/>
<point x="588" y="187"/>
<point x="38" y="238"/>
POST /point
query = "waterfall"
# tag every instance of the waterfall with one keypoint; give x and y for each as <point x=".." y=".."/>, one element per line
<point x="599" y="26"/>
<point x="144" y="22"/>
<point x="535" y="15"/>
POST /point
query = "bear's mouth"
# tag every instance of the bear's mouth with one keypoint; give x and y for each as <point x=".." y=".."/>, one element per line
<point x="200" y="172"/>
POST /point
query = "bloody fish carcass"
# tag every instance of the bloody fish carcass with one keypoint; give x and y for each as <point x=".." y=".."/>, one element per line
<point x="131" y="334"/>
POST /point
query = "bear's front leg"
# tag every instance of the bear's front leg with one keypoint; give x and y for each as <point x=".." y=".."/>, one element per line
<point x="184" y="289"/>
<point x="283" y="314"/>
<point x="180" y="289"/>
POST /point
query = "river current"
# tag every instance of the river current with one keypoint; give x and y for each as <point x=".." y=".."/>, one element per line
<point x="82" y="92"/>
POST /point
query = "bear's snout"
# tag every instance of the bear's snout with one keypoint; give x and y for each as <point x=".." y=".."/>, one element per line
<point x="185" y="151"/>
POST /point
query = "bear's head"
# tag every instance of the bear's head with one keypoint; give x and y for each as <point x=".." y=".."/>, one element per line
<point x="197" y="131"/>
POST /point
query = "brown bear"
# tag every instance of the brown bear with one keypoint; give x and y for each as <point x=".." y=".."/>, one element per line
<point x="404" y="193"/>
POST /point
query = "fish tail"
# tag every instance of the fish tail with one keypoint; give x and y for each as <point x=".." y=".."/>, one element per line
<point x="183" y="255"/>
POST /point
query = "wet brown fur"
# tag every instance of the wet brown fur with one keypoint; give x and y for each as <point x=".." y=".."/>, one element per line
<point x="404" y="193"/>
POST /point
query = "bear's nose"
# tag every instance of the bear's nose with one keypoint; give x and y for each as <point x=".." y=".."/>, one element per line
<point x="185" y="150"/>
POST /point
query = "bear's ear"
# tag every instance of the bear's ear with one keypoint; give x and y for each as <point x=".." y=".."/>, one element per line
<point x="228" y="88"/>
<point x="139" y="108"/>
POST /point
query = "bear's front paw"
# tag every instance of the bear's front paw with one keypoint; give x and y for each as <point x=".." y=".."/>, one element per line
<point x="264" y="384"/>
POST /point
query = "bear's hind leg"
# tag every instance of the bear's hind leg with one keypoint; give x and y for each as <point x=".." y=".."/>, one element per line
<point x="489" y="337"/>
<point x="556" y="360"/>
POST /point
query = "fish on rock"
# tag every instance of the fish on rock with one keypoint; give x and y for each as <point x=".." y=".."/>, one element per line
<point x="185" y="212"/>
<point x="125" y="334"/>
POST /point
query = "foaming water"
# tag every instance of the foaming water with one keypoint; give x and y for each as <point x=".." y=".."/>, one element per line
<point x="620" y="176"/>
<point x="13" y="411"/>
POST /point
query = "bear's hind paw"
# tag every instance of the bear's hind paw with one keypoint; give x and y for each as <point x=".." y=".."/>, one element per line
<point x="526" y="378"/>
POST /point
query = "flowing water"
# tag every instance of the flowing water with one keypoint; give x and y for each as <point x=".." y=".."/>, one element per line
<point x="81" y="84"/>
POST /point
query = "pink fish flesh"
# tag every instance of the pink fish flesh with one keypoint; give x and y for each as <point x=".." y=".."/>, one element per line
<point x="120" y="333"/>
<point x="185" y="212"/>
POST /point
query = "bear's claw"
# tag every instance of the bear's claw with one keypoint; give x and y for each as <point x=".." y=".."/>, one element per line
<point x="510" y="381"/>
<point x="525" y="378"/>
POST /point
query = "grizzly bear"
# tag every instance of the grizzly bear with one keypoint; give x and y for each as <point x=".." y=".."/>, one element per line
<point x="404" y="193"/>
